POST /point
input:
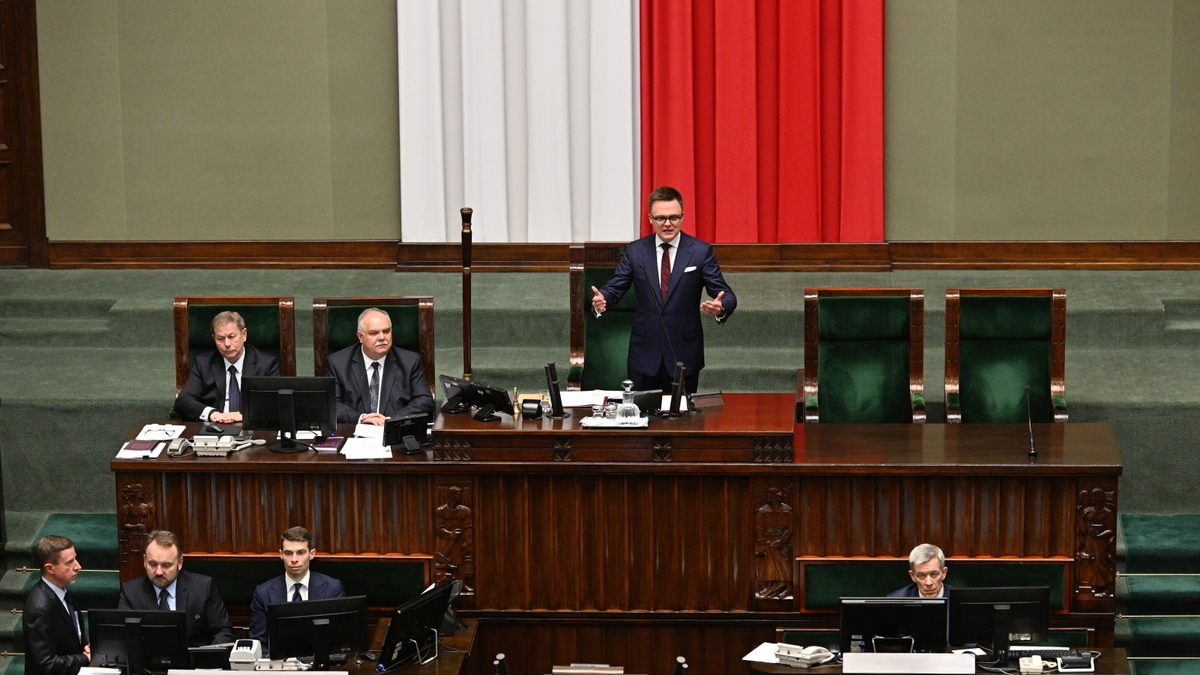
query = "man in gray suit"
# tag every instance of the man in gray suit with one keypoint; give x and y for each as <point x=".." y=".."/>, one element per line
<point x="377" y="380"/>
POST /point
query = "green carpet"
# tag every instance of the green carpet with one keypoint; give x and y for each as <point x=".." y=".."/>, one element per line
<point x="1171" y="636"/>
<point x="1158" y="595"/>
<point x="1165" y="667"/>
<point x="1156" y="544"/>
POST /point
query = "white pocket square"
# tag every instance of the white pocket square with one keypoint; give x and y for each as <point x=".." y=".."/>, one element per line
<point x="689" y="269"/>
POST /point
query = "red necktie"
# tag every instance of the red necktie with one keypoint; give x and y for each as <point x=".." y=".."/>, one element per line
<point x="664" y="274"/>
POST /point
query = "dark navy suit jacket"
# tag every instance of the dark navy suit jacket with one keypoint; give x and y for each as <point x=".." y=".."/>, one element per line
<point x="196" y="594"/>
<point x="910" y="591"/>
<point x="695" y="269"/>
<point x="51" y="645"/>
<point x="205" y="386"/>
<point x="320" y="587"/>
<point x="402" y="391"/>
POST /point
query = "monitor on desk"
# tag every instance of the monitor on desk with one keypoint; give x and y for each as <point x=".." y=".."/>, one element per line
<point x="898" y="625"/>
<point x="138" y="641"/>
<point x="999" y="617"/>
<point x="413" y="632"/>
<point x="288" y="405"/>
<point x="317" y="628"/>
<point x="462" y="395"/>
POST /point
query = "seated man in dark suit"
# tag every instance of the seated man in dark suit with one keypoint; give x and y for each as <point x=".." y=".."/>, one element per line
<point x="376" y="380"/>
<point x="213" y="391"/>
<point x="295" y="584"/>
<point x="927" y="568"/>
<point x="168" y="586"/>
<point x="55" y="641"/>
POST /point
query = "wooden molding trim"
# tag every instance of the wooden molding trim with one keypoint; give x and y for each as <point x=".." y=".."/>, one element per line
<point x="446" y="257"/>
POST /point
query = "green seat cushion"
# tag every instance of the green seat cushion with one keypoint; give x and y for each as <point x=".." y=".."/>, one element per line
<point x="262" y="327"/>
<point x="1006" y="317"/>
<point x="342" y="327"/>
<point x="863" y="360"/>
<point x="992" y="379"/>
<point x="606" y="339"/>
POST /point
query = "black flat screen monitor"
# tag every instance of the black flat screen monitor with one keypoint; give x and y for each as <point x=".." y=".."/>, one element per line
<point x="288" y="405"/>
<point x="462" y="395"/>
<point x="413" y="632"/>
<point x="410" y="430"/>
<point x="999" y="617"/>
<point x="894" y="625"/>
<point x="317" y="628"/>
<point x="138" y="641"/>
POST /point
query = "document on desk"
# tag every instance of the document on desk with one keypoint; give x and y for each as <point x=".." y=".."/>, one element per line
<point x="139" y="450"/>
<point x="160" y="432"/>
<point x="582" y="399"/>
<point x="764" y="653"/>
<point x="368" y="431"/>
<point x="96" y="670"/>
<point x="366" y="448"/>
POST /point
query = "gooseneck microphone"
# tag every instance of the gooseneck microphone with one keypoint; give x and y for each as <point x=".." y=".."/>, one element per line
<point x="677" y="386"/>
<point x="1029" y="418"/>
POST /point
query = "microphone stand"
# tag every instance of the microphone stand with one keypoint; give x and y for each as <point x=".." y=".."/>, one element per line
<point x="1029" y="417"/>
<point x="677" y="386"/>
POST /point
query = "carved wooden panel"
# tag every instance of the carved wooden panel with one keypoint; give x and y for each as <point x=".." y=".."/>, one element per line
<point x="136" y="519"/>
<point x="455" y="532"/>
<point x="1096" y="546"/>
<point x="774" y="525"/>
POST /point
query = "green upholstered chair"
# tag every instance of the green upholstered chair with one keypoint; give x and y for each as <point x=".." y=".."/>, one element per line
<point x="864" y="355"/>
<point x="998" y="341"/>
<point x="599" y="347"/>
<point x="335" y="326"/>
<point x="269" y="327"/>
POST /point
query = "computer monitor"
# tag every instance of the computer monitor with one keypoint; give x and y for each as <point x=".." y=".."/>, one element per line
<point x="413" y="632"/>
<point x="138" y="641"/>
<point x="893" y="625"/>
<point x="317" y="628"/>
<point x="409" y="430"/>
<point x="1000" y="617"/>
<point x="462" y="395"/>
<point x="288" y="405"/>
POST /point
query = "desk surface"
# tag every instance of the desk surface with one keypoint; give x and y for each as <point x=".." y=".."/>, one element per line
<point x="1111" y="662"/>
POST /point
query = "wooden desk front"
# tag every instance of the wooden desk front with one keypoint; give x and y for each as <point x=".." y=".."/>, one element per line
<point x="698" y="519"/>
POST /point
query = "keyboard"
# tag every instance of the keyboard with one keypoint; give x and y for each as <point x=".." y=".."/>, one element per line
<point x="1047" y="653"/>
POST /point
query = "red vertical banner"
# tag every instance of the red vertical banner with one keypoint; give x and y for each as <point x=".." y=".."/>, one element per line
<point x="767" y="115"/>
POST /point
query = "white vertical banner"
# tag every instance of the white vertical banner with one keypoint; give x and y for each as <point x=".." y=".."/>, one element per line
<point x="524" y="110"/>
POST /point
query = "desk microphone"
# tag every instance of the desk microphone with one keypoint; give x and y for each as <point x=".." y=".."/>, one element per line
<point x="677" y="385"/>
<point x="1029" y="418"/>
<point x="681" y="666"/>
<point x="501" y="665"/>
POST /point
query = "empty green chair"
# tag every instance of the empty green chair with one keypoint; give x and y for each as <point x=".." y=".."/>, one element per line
<point x="599" y="347"/>
<point x="1000" y="341"/>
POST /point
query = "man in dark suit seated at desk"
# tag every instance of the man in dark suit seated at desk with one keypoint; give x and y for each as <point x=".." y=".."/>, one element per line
<point x="213" y="391"/>
<point x="927" y="568"/>
<point x="376" y="380"/>
<point x="297" y="583"/>
<point x="55" y="641"/>
<point x="168" y="586"/>
<point x="675" y="267"/>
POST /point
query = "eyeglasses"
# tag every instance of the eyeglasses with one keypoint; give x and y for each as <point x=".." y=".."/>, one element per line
<point x="662" y="220"/>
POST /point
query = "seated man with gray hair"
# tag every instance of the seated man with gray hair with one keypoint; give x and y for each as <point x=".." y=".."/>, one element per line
<point x="213" y="391"/>
<point x="376" y="380"/>
<point x="927" y="568"/>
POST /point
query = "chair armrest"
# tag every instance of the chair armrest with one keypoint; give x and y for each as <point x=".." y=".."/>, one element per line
<point x="918" y="401"/>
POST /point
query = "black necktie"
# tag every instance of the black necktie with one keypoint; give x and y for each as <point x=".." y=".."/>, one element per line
<point x="235" y="392"/>
<point x="296" y="593"/>
<point x="375" y="387"/>
<point x="664" y="274"/>
<point x="162" y="601"/>
<point x="74" y="612"/>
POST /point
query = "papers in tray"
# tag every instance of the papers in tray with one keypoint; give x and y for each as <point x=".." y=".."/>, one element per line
<point x="365" y="448"/>
<point x="139" y="450"/>
<point x="605" y="423"/>
<point x="160" y="432"/>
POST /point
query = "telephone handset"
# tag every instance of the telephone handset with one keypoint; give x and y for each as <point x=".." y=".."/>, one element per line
<point x="178" y="446"/>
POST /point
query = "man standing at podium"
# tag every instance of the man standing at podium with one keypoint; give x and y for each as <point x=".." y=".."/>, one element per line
<point x="213" y="391"/>
<point x="376" y="380"/>
<point x="297" y="583"/>
<point x="669" y="269"/>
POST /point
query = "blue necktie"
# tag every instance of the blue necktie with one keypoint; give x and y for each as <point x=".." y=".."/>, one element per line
<point x="235" y="392"/>
<point x="296" y="593"/>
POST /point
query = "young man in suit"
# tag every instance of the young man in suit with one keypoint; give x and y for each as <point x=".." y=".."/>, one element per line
<point x="297" y="582"/>
<point x="168" y="586"/>
<point x="377" y="380"/>
<point x="55" y="640"/>
<point x="927" y="568"/>
<point x="669" y="269"/>
<point x="212" y="392"/>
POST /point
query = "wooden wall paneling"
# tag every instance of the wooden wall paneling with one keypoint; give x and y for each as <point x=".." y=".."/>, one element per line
<point x="22" y="197"/>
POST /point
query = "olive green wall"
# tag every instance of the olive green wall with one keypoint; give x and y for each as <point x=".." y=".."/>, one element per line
<point x="1037" y="119"/>
<point x="276" y="119"/>
<point x="222" y="119"/>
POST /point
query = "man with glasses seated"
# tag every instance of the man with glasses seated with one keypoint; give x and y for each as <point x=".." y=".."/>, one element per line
<point x="927" y="568"/>
<point x="669" y="269"/>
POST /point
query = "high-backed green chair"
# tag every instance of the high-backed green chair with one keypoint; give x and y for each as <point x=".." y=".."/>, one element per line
<point x="998" y="342"/>
<point x="335" y="326"/>
<point x="599" y="347"/>
<point x="269" y="327"/>
<point x="864" y="355"/>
